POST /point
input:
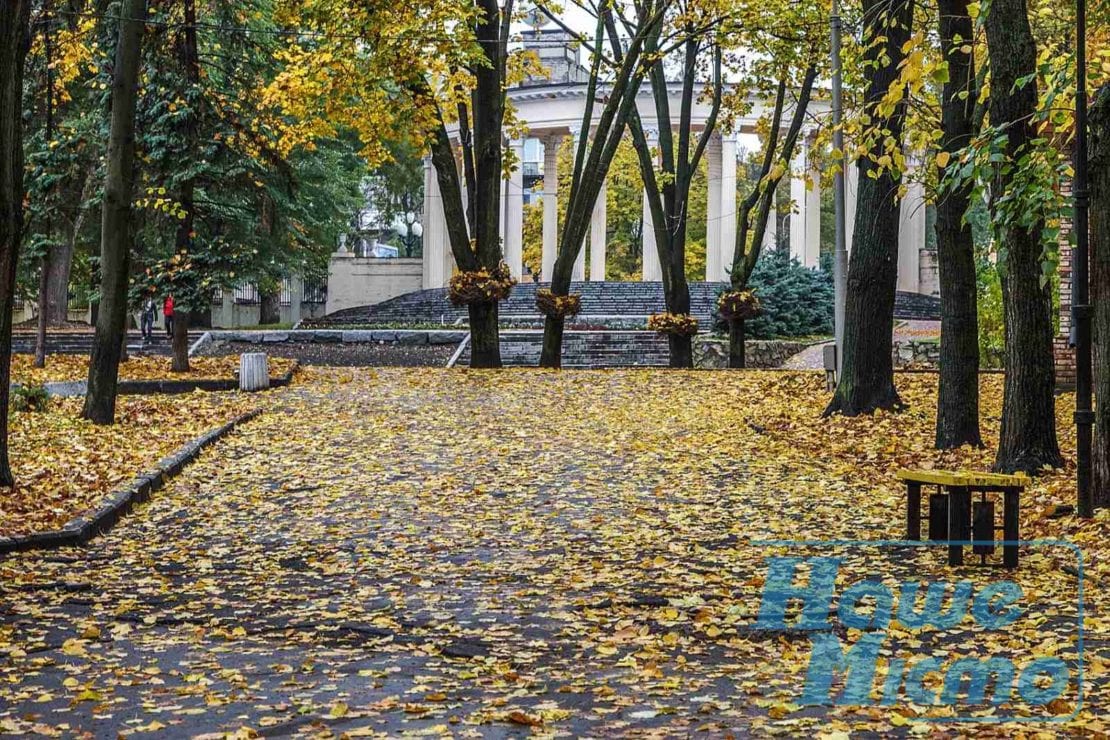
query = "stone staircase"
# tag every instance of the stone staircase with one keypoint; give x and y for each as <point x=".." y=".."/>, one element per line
<point x="624" y="300"/>
<point x="584" y="349"/>
<point x="80" y="342"/>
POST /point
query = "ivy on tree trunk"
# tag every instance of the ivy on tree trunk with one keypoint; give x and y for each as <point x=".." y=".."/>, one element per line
<point x="1028" y="438"/>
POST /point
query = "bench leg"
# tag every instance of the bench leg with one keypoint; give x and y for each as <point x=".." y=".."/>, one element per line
<point x="1010" y="527"/>
<point x="959" y="522"/>
<point x="913" y="511"/>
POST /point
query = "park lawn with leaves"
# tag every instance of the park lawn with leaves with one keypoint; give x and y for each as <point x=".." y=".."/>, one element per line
<point x="64" y="465"/>
<point x="473" y="552"/>
<point x="138" y="367"/>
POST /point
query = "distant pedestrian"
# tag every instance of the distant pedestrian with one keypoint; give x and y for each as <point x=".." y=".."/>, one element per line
<point x="167" y="314"/>
<point x="147" y="319"/>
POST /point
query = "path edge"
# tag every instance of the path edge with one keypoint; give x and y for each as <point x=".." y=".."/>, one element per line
<point x="115" y="505"/>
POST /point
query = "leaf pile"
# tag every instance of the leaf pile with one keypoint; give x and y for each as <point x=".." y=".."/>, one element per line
<point x="145" y="367"/>
<point x="64" y="465"/>
<point x="484" y="553"/>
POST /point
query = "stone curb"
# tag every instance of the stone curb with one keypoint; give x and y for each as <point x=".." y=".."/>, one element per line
<point x="341" y="336"/>
<point x="115" y="505"/>
<point x="68" y="388"/>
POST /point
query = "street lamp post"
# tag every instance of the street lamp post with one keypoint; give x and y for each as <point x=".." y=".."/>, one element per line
<point x="1081" y="308"/>
<point x="413" y="231"/>
<point x="840" y="255"/>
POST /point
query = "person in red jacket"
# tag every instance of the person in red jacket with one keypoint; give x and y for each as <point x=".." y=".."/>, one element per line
<point x="167" y="312"/>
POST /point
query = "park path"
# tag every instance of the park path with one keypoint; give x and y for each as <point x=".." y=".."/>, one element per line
<point x="479" y="554"/>
<point x="812" y="357"/>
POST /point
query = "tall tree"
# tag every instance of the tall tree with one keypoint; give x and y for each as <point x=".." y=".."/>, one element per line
<point x="115" y="238"/>
<point x="867" y="368"/>
<point x="668" y="191"/>
<point x="1099" y="173"/>
<point x="958" y="398"/>
<point x="756" y="209"/>
<point x="14" y="43"/>
<point x="594" y="156"/>
<point x="1028" y="436"/>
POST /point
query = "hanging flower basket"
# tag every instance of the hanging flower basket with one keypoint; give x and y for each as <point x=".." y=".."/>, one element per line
<point x="679" y="324"/>
<point x="480" y="286"/>
<point x="558" y="306"/>
<point x="738" y="305"/>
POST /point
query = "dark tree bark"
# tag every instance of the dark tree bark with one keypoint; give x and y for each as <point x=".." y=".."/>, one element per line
<point x="44" y="262"/>
<point x="269" y="306"/>
<point x="958" y="398"/>
<point x="481" y="156"/>
<point x="867" y="369"/>
<point x="1028" y="437"/>
<point x="183" y="242"/>
<point x="592" y="159"/>
<point x="41" y="319"/>
<point x="14" y="43"/>
<point x="669" y="198"/>
<point x="758" y="206"/>
<point x="1099" y="174"/>
<point x="180" y="342"/>
<point x="115" y="236"/>
<point x="57" y="277"/>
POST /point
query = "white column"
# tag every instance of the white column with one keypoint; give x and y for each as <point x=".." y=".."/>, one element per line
<point x="728" y="205"/>
<point x="514" y="214"/>
<point x="713" y="156"/>
<point x="798" y="177"/>
<point x="578" y="271"/>
<point x="771" y="233"/>
<point x="911" y="237"/>
<point x="598" y="235"/>
<point x="851" y="191"/>
<point x="550" y="205"/>
<point x="438" y="261"/>
<point x="652" y="270"/>
<point x="813" y="217"/>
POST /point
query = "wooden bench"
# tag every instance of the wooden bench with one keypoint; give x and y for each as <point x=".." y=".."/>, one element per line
<point x="953" y="517"/>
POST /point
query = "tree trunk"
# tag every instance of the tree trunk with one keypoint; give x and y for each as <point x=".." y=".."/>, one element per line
<point x="40" y="323"/>
<point x="736" y="338"/>
<point x="867" y="370"/>
<point x="61" y="260"/>
<point x="115" y="230"/>
<point x="1028" y="437"/>
<point x="1099" y="174"/>
<point x="551" y="355"/>
<point x="57" y="281"/>
<point x="677" y="298"/>
<point x="14" y="42"/>
<point x="485" y="346"/>
<point x="180" y="342"/>
<point x="269" y="307"/>
<point x="958" y="397"/>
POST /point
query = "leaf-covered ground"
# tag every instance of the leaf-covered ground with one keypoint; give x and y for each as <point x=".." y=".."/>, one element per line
<point x="64" y="466"/>
<point x="512" y="553"/>
<point x="137" y="367"/>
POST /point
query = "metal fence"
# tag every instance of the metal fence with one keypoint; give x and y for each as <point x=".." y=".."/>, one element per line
<point x="247" y="295"/>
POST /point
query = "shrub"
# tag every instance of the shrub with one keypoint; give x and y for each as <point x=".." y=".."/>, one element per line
<point x="28" y="398"/>
<point x="795" y="301"/>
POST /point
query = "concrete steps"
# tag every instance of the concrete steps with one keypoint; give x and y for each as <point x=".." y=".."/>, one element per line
<point x="80" y="342"/>
<point x="632" y="300"/>
<point x="584" y="349"/>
